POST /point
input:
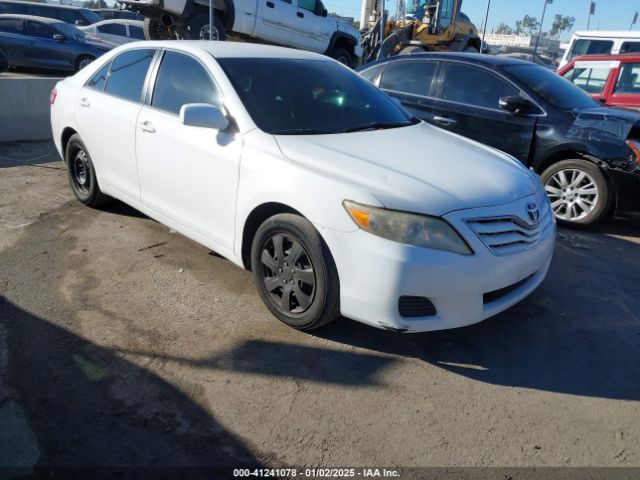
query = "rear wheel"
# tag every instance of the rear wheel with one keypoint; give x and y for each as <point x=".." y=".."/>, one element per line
<point x="155" y="30"/>
<point x="578" y="191"/>
<point x="82" y="174"/>
<point x="199" y="28"/>
<point x="295" y="273"/>
<point x="471" y="49"/>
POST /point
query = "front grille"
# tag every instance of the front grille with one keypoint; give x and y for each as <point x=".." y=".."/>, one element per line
<point x="416" y="307"/>
<point x="503" y="292"/>
<point x="506" y="235"/>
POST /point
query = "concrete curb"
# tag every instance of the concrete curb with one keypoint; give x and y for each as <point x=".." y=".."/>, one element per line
<point x="25" y="108"/>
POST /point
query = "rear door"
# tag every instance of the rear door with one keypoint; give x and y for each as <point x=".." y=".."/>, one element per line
<point x="13" y="41"/>
<point x="468" y="104"/>
<point x="626" y="91"/>
<point x="107" y="114"/>
<point x="275" y="20"/>
<point x="412" y="82"/>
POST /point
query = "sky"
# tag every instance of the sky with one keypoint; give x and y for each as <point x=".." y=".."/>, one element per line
<point x="610" y="14"/>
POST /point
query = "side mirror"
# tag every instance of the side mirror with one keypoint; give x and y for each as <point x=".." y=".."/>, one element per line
<point x="515" y="104"/>
<point x="58" y="37"/>
<point x="203" y="115"/>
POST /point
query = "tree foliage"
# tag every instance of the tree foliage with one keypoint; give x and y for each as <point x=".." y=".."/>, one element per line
<point x="504" y="29"/>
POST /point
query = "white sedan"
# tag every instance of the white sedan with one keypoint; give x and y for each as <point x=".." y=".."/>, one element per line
<point x="289" y="164"/>
<point x="117" y="31"/>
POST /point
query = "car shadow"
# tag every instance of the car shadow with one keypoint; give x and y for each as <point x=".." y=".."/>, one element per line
<point x="578" y="334"/>
<point x="73" y="393"/>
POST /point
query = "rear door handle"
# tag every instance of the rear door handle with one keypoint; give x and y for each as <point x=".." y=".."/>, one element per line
<point x="84" y="102"/>
<point x="271" y="5"/>
<point x="445" y="121"/>
<point x="146" y="127"/>
<point x="300" y="15"/>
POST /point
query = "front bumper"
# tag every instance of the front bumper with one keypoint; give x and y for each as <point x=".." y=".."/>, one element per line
<point x="375" y="273"/>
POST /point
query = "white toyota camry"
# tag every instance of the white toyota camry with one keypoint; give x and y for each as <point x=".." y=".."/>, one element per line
<point x="291" y="165"/>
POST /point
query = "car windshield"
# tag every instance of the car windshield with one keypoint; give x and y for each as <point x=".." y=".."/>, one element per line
<point x="69" y="31"/>
<point x="307" y="97"/>
<point x="554" y="89"/>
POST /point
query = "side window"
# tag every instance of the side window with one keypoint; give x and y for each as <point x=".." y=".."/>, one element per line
<point x="409" y="77"/>
<point x="136" y="32"/>
<point x="128" y="72"/>
<point x="11" y="25"/>
<point x="37" y="29"/>
<point x="99" y="80"/>
<point x="307" y="5"/>
<point x="113" y="29"/>
<point x="371" y="74"/>
<point x="591" y="79"/>
<point x="591" y="47"/>
<point x="181" y="80"/>
<point x="629" y="80"/>
<point x="630" y="47"/>
<point x="475" y="86"/>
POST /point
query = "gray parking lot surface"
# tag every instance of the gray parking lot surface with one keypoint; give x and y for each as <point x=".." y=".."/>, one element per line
<point x="124" y="343"/>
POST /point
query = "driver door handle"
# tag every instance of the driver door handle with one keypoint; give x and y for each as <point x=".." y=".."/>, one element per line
<point x="445" y="121"/>
<point x="271" y="5"/>
<point x="300" y="15"/>
<point x="84" y="102"/>
<point x="146" y="127"/>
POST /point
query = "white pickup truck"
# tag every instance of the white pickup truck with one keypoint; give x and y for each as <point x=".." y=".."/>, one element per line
<point x="302" y="24"/>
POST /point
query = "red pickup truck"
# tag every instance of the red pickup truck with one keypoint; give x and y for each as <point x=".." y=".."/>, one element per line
<point x="612" y="79"/>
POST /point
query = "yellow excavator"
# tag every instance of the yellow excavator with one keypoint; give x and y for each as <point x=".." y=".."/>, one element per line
<point x="431" y="25"/>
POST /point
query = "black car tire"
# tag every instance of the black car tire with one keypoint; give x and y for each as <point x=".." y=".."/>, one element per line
<point x="470" y="49"/>
<point x="277" y="275"/>
<point x="82" y="174"/>
<point x="83" y="60"/>
<point x="198" y="22"/>
<point x="605" y="195"/>
<point x="155" y="30"/>
<point x="342" y="55"/>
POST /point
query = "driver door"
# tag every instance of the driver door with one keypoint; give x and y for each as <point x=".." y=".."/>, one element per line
<point x="188" y="174"/>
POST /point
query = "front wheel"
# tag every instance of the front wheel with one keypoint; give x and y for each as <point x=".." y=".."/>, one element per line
<point x="578" y="191"/>
<point x="294" y="272"/>
<point x="343" y="56"/>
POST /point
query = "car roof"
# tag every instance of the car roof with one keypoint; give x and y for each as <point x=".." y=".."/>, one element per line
<point x="614" y="34"/>
<point x="34" y="18"/>
<point x="229" y="49"/>
<point x="491" y="61"/>
<point x="631" y="57"/>
<point x="118" y="21"/>
<point x="47" y="5"/>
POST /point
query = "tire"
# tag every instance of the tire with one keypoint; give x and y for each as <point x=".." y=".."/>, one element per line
<point x="578" y="191"/>
<point x="155" y="30"/>
<point x="83" y="61"/>
<point x="410" y="50"/>
<point x="342" y="55"/>
<point x="471" y="49"/>
<point x="198" y="28"/>
<point x="82" y="174"/>
<point x="312" y="298"/>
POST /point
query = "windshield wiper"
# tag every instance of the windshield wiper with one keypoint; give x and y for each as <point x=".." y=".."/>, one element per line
<point x="377" y="126"/>
<point x="301" y="131"/>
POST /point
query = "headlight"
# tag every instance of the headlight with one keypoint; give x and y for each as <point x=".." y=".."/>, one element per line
<point x="407" y="228"/>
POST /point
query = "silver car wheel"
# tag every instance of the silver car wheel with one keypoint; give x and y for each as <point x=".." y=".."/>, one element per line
<point x="205" y="33"/>
<point x="573" y="194"/>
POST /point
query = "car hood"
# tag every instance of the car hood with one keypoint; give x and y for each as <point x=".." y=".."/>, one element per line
<point x="419" y="168"/>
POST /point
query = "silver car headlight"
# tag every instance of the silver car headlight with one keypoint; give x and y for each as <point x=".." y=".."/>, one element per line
<point x="408" y="228"/>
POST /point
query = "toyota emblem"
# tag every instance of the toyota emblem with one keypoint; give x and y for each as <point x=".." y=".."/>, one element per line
<point x="533" y="212"/>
